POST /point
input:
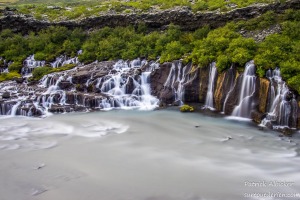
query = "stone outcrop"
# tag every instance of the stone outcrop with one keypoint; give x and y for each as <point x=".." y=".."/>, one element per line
<point x="224" y="87"/>
<point x="260" y="35"/>
<point x="192" y="90"/>
<point x="263" y="95"/>
<point x="203" y="83"/>
<point x="219" y="94"/>
<point x="233" y="97"/>
<point x="158" y="79"/>
<point x="183" y="17"/>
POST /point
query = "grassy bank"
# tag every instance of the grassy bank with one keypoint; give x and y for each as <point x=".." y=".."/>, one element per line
<point x="74" y="9"/>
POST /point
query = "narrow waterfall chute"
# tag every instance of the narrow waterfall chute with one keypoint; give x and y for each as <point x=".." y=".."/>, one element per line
<point x="231" y="88"/>
<point x="247" y="90"/>
<point x="30" y="64"/>
<point x="209" y="101"/>
<point x="178" y="77"/>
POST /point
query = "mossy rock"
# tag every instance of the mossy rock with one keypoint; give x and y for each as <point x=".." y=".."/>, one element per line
<point x="187" y="108"/>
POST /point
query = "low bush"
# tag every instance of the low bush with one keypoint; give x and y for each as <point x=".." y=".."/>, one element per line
<point x="9" y="76"/>
<point x="39" y="72"/>
<point x="15" y="67"/>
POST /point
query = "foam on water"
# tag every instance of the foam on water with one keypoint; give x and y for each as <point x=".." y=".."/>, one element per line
<point x="238" y="118"/>
<point x="34" y="133"/>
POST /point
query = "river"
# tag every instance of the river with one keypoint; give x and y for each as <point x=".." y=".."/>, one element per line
<point x="144" y="155"/>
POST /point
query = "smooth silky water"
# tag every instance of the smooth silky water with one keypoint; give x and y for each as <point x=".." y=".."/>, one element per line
<point x="142" y="155"/>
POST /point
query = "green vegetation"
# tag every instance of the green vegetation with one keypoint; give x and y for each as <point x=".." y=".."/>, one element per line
<point x="73" y="9"/>
<point x="39" y="72"/>
<point x="186" y="108"/>
<point x="224" y="45"/>
<point x="47" y="44"/>
<point x="9" y="76"/>
<point x="128" y="43"/>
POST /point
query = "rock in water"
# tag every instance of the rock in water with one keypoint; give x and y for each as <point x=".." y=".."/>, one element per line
<point x="6" y="95"/>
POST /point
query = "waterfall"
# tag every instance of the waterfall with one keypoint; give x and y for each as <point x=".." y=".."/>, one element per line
<point x="177" y="78"/>
<point x="209" y="101"/>
<point x="230" y="73"/>
<point x="14" y="109"/>
<point x="248" y="88"/>
<point x="147" y="100"/>
<point x="128" y="90"/>
<point x="4" y="67"/>
<point x="282" y="111"/>
<point x="121" y="84"/>
<point x="64" y="60"/>
<point x="30" y="63"/>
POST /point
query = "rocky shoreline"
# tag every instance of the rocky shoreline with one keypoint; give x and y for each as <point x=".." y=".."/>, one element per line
<point x="183" y="17"/>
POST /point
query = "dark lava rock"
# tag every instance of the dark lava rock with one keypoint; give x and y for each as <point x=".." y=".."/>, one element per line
<point x="289" y="96"/>
<point x="19" y="80"/>
<point x="100" y="74"/>
<point x="81" y="77"/>
<point x="65" y="85"/>
<point x="192" y="88"/>
<point x="257" y="116"/>
<point x="6" y="95"/>
<point x="176" y="103"/>
<point x="129" y="86"/>
<point x="158" y="79"/>
<point x="167" y="96"/>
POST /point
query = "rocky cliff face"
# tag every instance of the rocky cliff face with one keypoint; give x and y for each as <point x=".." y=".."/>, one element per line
<point x="183" y="17"/>
<point x="271" y="105"/>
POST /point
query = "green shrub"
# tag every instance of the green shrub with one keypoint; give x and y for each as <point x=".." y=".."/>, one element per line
<point x="186" y="108"/>
<point x="40" y="56"/>
<point x="15" y="67"/>
<point x="9" y="76"/>
<point x="39" y="72"/>
<point x="294" y="83"/>
<point x="63" y="68"/>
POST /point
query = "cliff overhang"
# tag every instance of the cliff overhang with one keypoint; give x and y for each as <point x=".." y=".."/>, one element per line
<point x="183" y="17"/>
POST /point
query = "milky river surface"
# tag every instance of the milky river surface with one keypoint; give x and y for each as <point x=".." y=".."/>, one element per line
<point x="144" y="155"/>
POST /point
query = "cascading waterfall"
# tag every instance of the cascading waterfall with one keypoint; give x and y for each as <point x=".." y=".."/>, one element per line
<point x="15" y="108"/>
<point x="126" y="85"/>
<point x="282" y="111"/>
<point x="248" y="88"/>
<point x="30" y="63"/>
<point x="4" y="67"/>
<point x="123" y="85"/>
<point x="64" y="60"/>
<point x="209" y="101"/>
<point x="177" y="78"/>
<point x="127" y="91"/>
